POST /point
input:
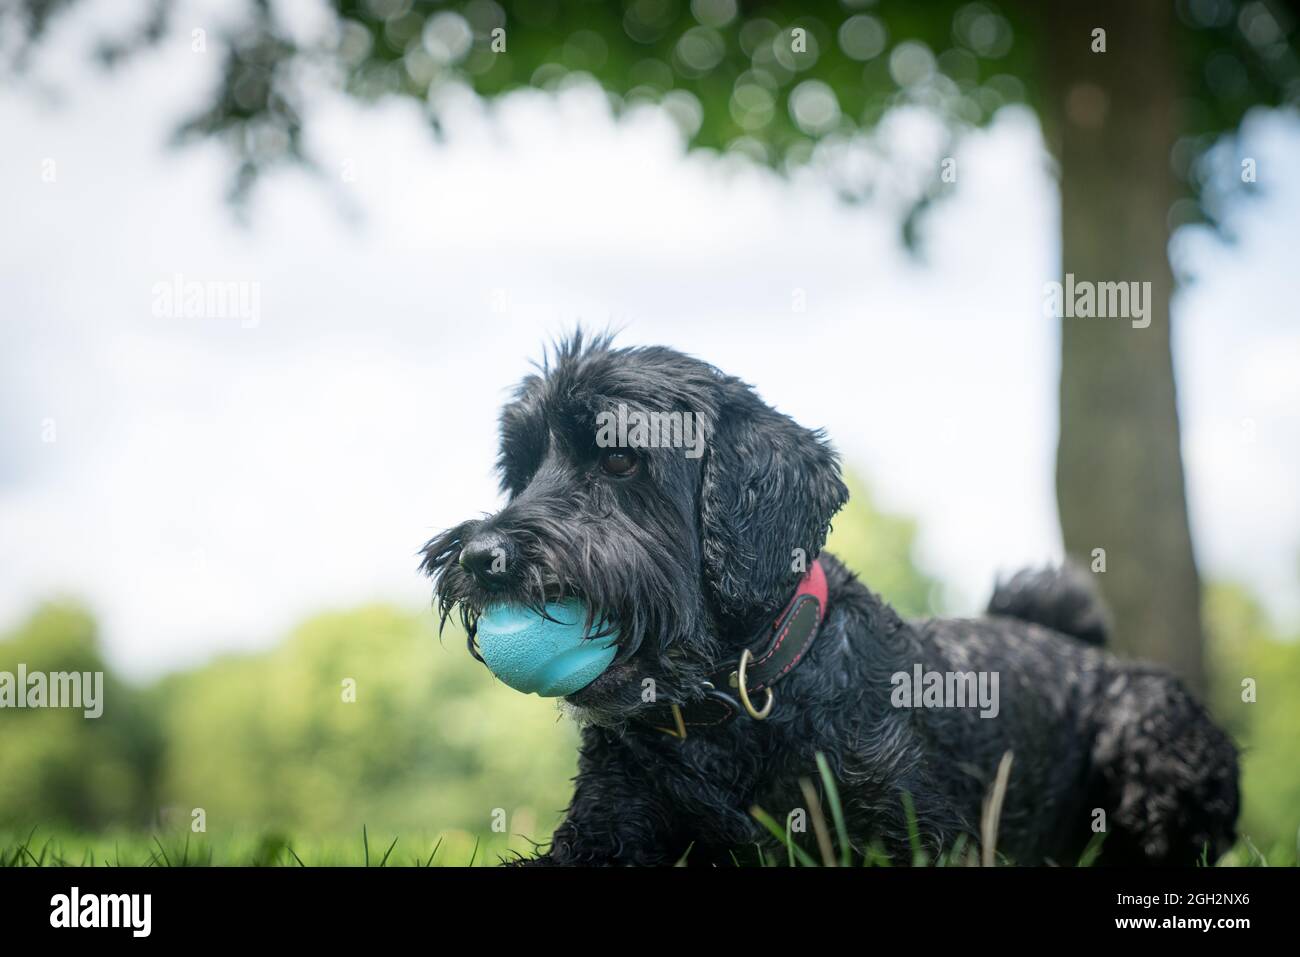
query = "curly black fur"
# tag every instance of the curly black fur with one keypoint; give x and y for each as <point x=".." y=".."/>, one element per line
<point x="1061" y="599"/>
<point x="692" y="558"/>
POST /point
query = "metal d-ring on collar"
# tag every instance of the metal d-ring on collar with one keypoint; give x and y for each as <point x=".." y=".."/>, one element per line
<point x="739" y="683"/>
<point x="788" y="641"/>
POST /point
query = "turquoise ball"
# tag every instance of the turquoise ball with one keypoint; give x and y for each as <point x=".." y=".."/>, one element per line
<point x="537" y="655"/>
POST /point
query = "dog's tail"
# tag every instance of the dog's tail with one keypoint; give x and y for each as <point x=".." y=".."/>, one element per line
<point x="1062" y="599"/>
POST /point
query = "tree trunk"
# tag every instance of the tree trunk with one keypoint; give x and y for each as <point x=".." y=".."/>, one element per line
<point x="1113" y="119"/>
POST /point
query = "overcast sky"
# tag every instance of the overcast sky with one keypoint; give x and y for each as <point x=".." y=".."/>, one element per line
<point x="210" y="482"/>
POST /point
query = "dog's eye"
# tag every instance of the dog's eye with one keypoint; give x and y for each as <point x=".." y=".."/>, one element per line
<point x="619" y="462"/>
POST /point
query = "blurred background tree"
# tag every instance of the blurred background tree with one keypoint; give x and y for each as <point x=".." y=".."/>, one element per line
<point x="1133" y="99"/>
<point x="272" y="740"/>
<point x="58" y="767"/>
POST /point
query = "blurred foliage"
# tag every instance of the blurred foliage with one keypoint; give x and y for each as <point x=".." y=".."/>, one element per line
<point x="59" y="767"/>
<point x="269" y="740"/>
<point x="782" y="82"/>
<point x="880" y="547"/>
<point x="269" y="747"/>
<point x="1244" y="645"/>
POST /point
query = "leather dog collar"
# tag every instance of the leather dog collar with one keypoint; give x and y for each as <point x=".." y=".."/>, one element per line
<point x="732" y="690"/>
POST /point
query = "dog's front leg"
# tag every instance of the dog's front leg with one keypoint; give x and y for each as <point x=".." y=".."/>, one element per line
<point x="616" y="816"/>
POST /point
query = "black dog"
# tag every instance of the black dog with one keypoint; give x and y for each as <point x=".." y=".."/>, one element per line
<point x="724" y="689"/>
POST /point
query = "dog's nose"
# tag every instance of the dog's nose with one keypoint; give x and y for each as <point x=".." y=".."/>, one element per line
<point x="487" y="557"/>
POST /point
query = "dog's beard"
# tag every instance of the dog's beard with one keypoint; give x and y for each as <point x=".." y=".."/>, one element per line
<point x="632" y="574"/>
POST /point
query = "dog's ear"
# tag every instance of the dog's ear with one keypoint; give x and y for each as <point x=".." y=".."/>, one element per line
<point x="768" y="492"/>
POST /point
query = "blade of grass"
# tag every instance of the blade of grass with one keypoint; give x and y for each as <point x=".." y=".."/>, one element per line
<point x="919" y="857"/>
<point x="1090" y="852"/>
<point x="681" y="861"/>
<point x="954" y="855"/>
<point x="993" y="811"/>
<point x="1263" y="861"/>
<point x="429" y="862"/>
<point x="819" y="822"/>
<point x="765" y="819"/>
<point x="387" y="852"/>
<point x="27" y="843"/>
<point x="837" y="809"/>
<point x="163" y="850"/>
<point x="875" y="856"/>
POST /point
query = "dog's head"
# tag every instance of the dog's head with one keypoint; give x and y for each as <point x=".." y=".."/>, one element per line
<point x="665" y="495"/>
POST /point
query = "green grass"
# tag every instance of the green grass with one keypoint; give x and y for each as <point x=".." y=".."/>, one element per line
<point x="961" y="853"/>
<point x="37" y="848"/>
<point x="462" y="849"/>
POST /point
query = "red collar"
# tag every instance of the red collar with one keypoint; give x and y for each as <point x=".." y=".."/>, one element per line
<point x="791" y="637"/>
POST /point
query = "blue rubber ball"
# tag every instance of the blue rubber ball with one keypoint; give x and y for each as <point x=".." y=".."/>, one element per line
<point x="534" y="654"/>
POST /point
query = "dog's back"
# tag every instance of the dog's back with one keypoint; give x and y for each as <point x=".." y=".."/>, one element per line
<point x="1100" y="746"/>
